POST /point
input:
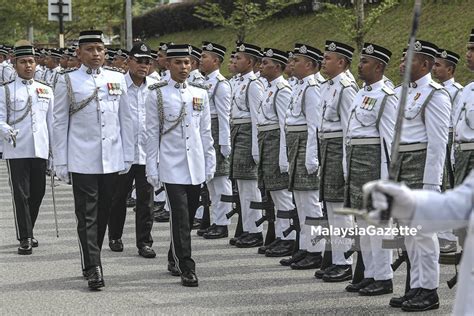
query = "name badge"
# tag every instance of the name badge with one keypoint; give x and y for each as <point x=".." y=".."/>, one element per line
<point x="198" y="104"/>
<point x="114" y="88"/>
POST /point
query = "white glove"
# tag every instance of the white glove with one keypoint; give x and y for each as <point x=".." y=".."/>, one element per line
<point x="226" y="150"/>
<point x="432" y="187"/>
<point x="283" y="168"/>
<point x="10" y="137"/>
<point x="311" y="168"/>
<point x="126" y="169"/>
<point x="209" y="176"/>
<point x="154" y="181"/>
<point x="403" y="200"/>
<point x="256" y="159"/>
<point x="62" y="172"/>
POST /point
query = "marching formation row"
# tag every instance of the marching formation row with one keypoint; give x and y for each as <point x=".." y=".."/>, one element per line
<point x="301" y="148"/>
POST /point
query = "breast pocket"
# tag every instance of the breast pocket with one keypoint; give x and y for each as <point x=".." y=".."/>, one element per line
<point x="43" y="104"/>
<point x="413" y="110"/>
<point x="366" y="117"/>
<point x="196" y="118"/>
<point x="112" y="103"/>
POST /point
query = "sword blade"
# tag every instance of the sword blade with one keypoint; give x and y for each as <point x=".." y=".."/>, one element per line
<point x="54" y="205"/>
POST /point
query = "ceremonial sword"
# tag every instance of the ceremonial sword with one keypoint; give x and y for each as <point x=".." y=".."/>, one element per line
<point x="54" y="204"/>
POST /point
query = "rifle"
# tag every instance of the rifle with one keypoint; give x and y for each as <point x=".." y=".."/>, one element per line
<point x="236" y="209"/>
<point x="269" y="216"/>
<point x="205" y="202"/>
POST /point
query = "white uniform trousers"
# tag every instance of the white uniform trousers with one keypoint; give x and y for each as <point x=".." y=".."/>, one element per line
<point x="248" y="192"/>
<point x="377" y="261"/>
<point x="339" y="245"/>
<point x="423" y="252"/>
<point x="283" y="201"/>
<point x="308" y="205"/>
<point x="217" y="187"/>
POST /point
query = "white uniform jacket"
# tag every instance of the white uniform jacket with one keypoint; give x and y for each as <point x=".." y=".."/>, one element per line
<point x="184" y="153"/>
<point x="155" y="76"/>
<point x="454" y="209"/>
<point x="7" y="72"/>
<point x="34" y="131"/>
<point x="373" y="115"/>
<point x="304" y="108"/>
<point x="429" y="125"/>
<point x="272" y="110"/>
<point x="196" y="76"/>
<point x="220" y="98"/>
<point x="137" y="97"/>
<point x="246" y="97"/>
<point x="97" y="139"/>
<point x="464" y="116"/>
<point x="455" y="90"/>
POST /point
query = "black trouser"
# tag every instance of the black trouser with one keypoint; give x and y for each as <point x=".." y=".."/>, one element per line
<point x="183" y="201"/>
<point x="28" y="183"/>
<point x="92" y="199"/>
<point x="144" y="211"/>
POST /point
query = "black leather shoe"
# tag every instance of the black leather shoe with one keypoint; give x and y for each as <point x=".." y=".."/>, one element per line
<point x="282" y="249"/>
<point x="398" y="301"/>
<point x="202" y="231"/>
<point x="162" y="216"/>
<point x="447" y="246"/>
<point x="86" y="274"/>
<point x="131" y="202"/>
<point x="34" y="242"/>
<point x="196" y="223"/>
<point x="261" y="250"/>
<point x="116" y="245"/>
<point x="424" y="300"/>
<point x="95" y="279"/>
<point x="158" y="206"/>
<point x="355" y="287"/>
<point x="320" y="273"/>
<point x="233" y="240"/>
<point x="172" y="268"/>
<point x="297" y="256"/>
<point x="378" y="287"/>
<point x="251" y="240"/>
<point x="311" y="261"/>
<point x="338" y="274"/>
<point x="189" y="278"/>
<point x="218" y="231"/>
<point x="147" y="252"/>
<point x="26" y="247"/>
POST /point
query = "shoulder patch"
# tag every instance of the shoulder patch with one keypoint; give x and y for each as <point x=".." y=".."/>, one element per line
<point x="198" y="85"/>
<point x="158" y="85"/>
<point x="3" y="83"/>
<point x="458" y="85"/>
<point x="114" y="69"/>
<point x="282" y="85"/>
<point x="436" y="85"/>
<point x="43" y="82"/>
<point x="345" y="82"/>
<point x="312" y="81"/>
<point x="388" y="91"/>
<point x="220" y="77"/>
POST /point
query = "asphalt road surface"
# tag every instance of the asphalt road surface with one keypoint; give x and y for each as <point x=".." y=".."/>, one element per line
<point x="231" y="280"/>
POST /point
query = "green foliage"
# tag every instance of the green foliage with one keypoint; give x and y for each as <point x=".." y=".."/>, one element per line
<point x="245" y="16"/>
<point x="446" y="24"/>
<point x="355" y="21"/>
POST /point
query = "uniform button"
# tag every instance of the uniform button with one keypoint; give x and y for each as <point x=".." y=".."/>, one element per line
<point x="100" y="99"/>
<point x="103" y="111"/>
<point x="187" y="125"/>
<point x="187" y="149"/>
<point x="103" y="124"/>
<point x="103" y="138"/>
<point x="187" y="137"/>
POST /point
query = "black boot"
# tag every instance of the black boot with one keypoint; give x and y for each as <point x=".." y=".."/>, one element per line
<point x="297" y="256"/>
<point x="398" y="301"/>
<point x="95" y="278"/>
<point x="378" y="287"/>
<point x="26" y="247"/>
<point x="424" y="300"/>
<point x="311" y="261"/>
<point x="355" y="287"/>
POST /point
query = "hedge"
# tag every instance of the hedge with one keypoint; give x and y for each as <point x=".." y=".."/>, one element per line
<point x="178" y="17"/>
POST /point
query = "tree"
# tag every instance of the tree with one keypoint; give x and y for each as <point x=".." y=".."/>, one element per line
<point x="354" y="21"/>
<point x="244" y="17"/>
